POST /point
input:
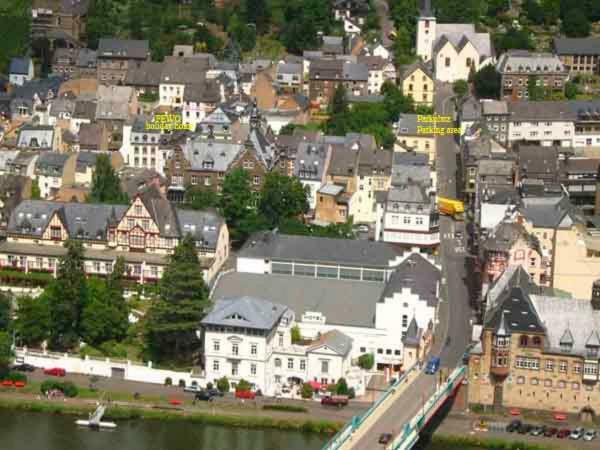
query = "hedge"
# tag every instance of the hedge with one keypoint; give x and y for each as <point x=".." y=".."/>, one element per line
<point x="286" y="408"/>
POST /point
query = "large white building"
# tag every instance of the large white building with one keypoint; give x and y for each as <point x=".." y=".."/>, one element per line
<point x="141" y="146"/>
<point x="365" y="290"/>
<point x="455" y="49"/>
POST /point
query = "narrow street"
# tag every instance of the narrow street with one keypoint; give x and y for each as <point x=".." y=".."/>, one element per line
<point x="384" y="21"/>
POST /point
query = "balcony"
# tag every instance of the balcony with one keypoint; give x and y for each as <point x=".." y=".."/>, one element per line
<point x="500" y="371"/>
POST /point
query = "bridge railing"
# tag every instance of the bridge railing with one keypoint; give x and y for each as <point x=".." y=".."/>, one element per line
<point x="344" y="434"/>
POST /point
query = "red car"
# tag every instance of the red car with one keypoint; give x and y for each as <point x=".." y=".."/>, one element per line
<point x="249" y="395"/>
<point x="564" y="433"/>
<point x="55" y="371"/>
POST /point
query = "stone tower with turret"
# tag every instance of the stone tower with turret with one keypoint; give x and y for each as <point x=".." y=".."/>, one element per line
<point x="425" y="31"/>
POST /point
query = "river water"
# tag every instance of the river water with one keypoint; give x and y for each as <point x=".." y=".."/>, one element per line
<point x="33" y="431"/>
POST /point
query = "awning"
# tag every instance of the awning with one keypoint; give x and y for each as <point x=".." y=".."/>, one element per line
<point x="315" y="385"/>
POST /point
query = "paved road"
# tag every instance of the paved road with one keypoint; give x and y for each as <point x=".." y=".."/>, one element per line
<point x="384" y="22"/>
<point x="454" y="327"/>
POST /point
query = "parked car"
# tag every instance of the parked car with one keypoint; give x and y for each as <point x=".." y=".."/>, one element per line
<point x="23" y="367"/>
<point x="385" y="438"/>
<point x="55" y="371"/>
<point x="537" y="430"/>
<point x="247" y="395"/>
<point x="432" y="365"/>
<point x="204" y="396"/>
<point x="335" y="400"/>
<point x="576" y="433"/>
<point x="363" y="228"/>
<point x="513" y="426"/>
<point x="193" y="389"/>
<point x="589" y="435"/>
<point x="524" y="428"/>
<point x="563" y="433"/>
<point x="550" y="432"/>
<point x="215" y="392"/>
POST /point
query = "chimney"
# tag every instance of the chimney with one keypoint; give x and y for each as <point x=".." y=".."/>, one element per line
<point x="596" y="295"/>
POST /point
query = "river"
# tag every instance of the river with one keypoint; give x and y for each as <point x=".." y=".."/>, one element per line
<point x="37" y="431"/>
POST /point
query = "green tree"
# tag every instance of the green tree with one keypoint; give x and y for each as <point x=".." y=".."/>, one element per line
<point x="236" y="196"/>
<point x="33" y="322"/>
<point x="223" y="384"/>
<point x="15" y="23"/>
<point x="197" y="197"/>
<point x="576" y="24"/>
<point x="174" y="316"/>
<point x="296" y="335"/>
<point x="106" y="186"/>
<point x="66" y="296"/>
<point x="5" y="311"/>
<point x="306" y="391"/>
<point x="460" y="88"/>
<point x="6" y="353"/>
<point x="102" y="21"/>
<point x="243" y="385"/>
<point x="339" y="102"/>
<point x="282" y="197"/>
<point x="366" y="361"/>
<point x="486" y="82"/>
<point x="571" y="90"/>
<point x="36" y="194"/>
<point x="106" y="315"/>
<point x="243" y="33"/>
<point x="535" y="12"/>
<point x="394" y="102"/>
<point x="257" y="13"/>
<point x="513" y="39"/>
<point x="535" y="92"/>
<point x="341" y="388"/>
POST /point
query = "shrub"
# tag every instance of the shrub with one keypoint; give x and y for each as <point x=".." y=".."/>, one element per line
<point x="16" y="376"/>
<point x="209" y="385"/>
<point x="66" y="387"/>
<point x="366" y="361"/>
<point x="69" y="389"/>
<point x="351" y="393"/>
<point x="286" y="408"/>
<point x="306" y="391"/>
<point x="223" y="384"/>
<point x="243" y="385"/>
<point x="168" y="381"/>
<point x="341" y="388"/>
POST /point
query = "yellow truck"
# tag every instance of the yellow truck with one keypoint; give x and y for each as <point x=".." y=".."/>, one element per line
<point x="451" y="207"/>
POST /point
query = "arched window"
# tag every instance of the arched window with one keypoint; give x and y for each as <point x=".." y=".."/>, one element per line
<point x="523" y="341"/>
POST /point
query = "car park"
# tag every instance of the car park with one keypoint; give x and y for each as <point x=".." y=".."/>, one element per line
<point x="55" y="371"/>
<point x="589" y="435"/>
<point x="576" y="433"/>
<point x="385" y="438"/>
<point x="524" y="428"/>
<point x="23" y="367"/>
<point x="537" y="430"/>
<point x="563" y="433"/>
<point x="550" y="432"/>
<point x="513" y="426"/>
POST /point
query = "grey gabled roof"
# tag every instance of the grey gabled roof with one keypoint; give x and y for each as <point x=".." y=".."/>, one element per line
<point x="413" y="333"/>
<point x="419" y="275"/>
<point x="19" y="66"/>
<point x="52" y="162"/>
<point x="549" y="212"/>
<point x="245" y="311"/>
<point x="355" y="71"/>
<point x="577" y="46"/>
<point x="275" y="246"/>
<point x="567" y="338"/>
<point x="200" y="153"/>
<point x="335" y="340"/>
<point x="518" y="312"/>
<point x="593" y="340"/>
<point x="123" y="48"/>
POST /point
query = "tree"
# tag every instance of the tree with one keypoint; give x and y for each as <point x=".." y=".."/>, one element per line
<point x="174" y="316"/>
<point x="6" y="353"/>
<point x="15" y="23"/>
<point x="296" y="335"/>
<point x="223" y="384"/>
<point x="460" y="88"/>
<point x="36" y="194"/>
<point x="341" y="388"/>
<point x="576" y="24"/>
<point x="33" y="322"/>
<point x="535" y="12"/>
<point x="535" y="92"/>
<point x="366" y="361"/>
<point x="571" y="90"/>
<point x="306" y="391"/>
<point x="197" y="197"/>
<point x="243" y="385"/>
<point x="487" y="82"/>
<point x="282" y="197"/>
<point x="236" y="196"/>
<point x="106" y="315"/>
<point x="5" y="311"/>
<point x="106" y="186"/>
<point x="394" y="102"/>
<point x="66" y="296"/>
<point x="513" y="39"/>
<point x="257" y="13"/>
<point x="101" y="21"/>
<point x="339" y="102"/>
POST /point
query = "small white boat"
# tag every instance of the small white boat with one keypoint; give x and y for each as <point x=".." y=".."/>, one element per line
<point x="95" y="419"/>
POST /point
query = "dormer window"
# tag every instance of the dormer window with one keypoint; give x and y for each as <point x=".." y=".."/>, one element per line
<point x="592" y="352"/>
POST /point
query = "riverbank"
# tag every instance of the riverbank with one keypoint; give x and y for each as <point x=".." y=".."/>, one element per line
<point x="445" y="442"/>
<point x="130" y="411"/>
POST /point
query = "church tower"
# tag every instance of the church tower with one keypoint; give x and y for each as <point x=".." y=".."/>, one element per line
<point x="425" y="31"/>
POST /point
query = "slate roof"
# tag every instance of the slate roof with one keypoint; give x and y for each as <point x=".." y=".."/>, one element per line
<point x="200" y="153"/>
<point x="459" y="35"/>
<point x="310" y="160"/>
<point x="538" y="161"/>
<point x="523" y="61"/>
<point x="51" y="163"/>
<point x="549" y="212"/>
<point x="407" y="125"/>
<point x="40" y="87"/>
<point x="289" y="68"/>
<point x="342" y="302"/>
<point x="246" y="311"/>
<point x="419" y="275"/>
<point x="326" y="69"/>
<point x="85" y="160"/>
<point x="147" y="74"/>
<point x="335" y="340"/>
<point x="505" y="235"/>
<point x="19" y="66"/>
<point x="331" y="189"/>
<point x="85" y="109"/>
<point x="518" y="311"/>
<point x="355" y="71"/>
<point x="408" y="193"/>
<point x="206" y="92"/>
<point x="184" y="70"/>
<point x="86" y="58"/>
<point x="113" y="102"/>
<point x="408" y="70"/>
<point x="123" y="48"/>
<point x="577" y="46"/>
<point x="36" y="136"/>
<point x="275" y="246"/>
<point x="410" y="166"/>
<point x="413" y="333"/>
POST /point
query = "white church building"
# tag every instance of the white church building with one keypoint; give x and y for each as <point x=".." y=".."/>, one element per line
<point x="454" y="49"/>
